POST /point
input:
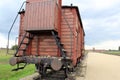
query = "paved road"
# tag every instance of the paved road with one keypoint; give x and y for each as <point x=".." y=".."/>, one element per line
<point x="102" y="67"/>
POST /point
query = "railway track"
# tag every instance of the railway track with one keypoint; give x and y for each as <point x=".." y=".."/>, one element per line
<point x="52" y="75"/>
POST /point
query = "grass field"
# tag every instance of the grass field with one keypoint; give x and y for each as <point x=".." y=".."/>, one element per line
<point x="113" y="52"/>
<point x="5" y="68"/>
<point x="110" y="52"/>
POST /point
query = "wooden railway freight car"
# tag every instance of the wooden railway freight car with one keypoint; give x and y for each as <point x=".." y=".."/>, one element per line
<point x="51" y="36"/>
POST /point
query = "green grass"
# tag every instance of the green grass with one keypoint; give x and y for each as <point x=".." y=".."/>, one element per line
<point x="5" y="68"/>
<point x="113" y="52"/>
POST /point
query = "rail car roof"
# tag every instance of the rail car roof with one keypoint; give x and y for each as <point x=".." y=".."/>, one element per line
<point x="78" y="13"/>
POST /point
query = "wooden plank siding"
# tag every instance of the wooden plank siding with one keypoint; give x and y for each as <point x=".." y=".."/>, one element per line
<point x="42" y="15"/>
<point x="66" y="34"/>
<point x="72" y="38"/>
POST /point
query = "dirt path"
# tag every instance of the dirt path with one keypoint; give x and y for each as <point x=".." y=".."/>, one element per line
<point x="103" y="67"/>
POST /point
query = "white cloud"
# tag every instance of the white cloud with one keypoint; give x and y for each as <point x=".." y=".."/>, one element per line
<point x="12" y="5"/>
<point x="88" y="24"/>
<point x="96" y="5"/>
<point x="111" y="44"/>
<point x="66" y="2"/>
<point x="3" y="42"/>
<point x="113" y="22"/>
<point x="4" y="3"/>
<point x="103" y="4"/>
<point x="109" y="23"/>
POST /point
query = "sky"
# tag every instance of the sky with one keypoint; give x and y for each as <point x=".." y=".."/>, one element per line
<point x="101" y="22"/>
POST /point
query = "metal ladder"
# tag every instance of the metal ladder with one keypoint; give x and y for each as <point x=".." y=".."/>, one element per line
<point x="59" y="44"/>
<point x="62" y="51"/>
<point x="29" y="37"/>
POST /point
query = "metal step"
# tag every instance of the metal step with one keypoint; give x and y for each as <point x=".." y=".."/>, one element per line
<point x="28" y="37"/>
<point x="22" y="49"/>
<point x="25" y="43"/>
<point x="64" y="50"/>
<point x="61" y="44"/>
<point x="17" y="69"/>
<point x="57" y="37"/>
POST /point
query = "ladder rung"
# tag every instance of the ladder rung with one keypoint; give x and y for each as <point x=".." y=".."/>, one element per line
<point x="64" y="50"/>
<point x="61" y="44"/>
<point x="28" y="37"/>
<point x="25" y="43"/>
<point x="57" y="37"/>
<point x="17" y="69"/>
<point x="55" y="32"/>
<point x="22" y="49"/>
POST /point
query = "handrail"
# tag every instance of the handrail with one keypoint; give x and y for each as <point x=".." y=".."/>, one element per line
<point x="13" y="25"/>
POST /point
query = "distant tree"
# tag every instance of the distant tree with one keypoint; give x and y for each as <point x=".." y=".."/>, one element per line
<point x="14" y="47"/>
<point x="119" y="48"/>
<point x="93" y="49"/>
<point x="110" y="50"/>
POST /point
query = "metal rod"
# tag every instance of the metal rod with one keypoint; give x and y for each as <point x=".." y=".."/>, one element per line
<point x="13" y="25"/>
<point x="69" y="26"/>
